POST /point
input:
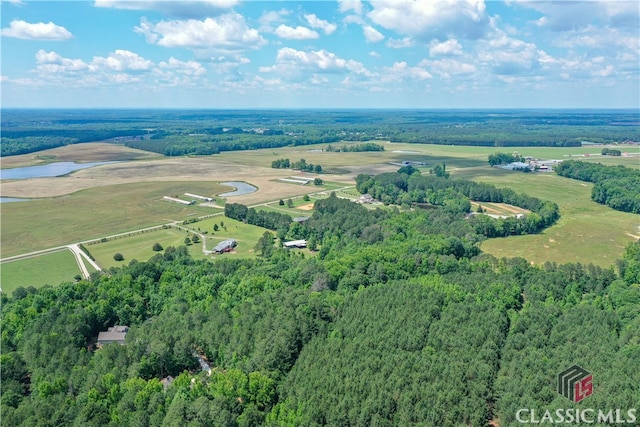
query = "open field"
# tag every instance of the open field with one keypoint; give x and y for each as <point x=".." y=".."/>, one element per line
<point x="49" y="269"/>
<point x="140" y="246"/>
<point x="113" y="198"/>
<point x="96" y="212"/>
<point x="498" y="208"/>
<point x="587" y="232"/>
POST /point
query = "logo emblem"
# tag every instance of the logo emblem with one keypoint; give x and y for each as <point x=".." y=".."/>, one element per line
<point x="575" y="383"/>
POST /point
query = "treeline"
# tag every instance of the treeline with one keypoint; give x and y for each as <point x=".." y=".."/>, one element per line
<point x="615" y="186"/>
<point x="355" y="148"/>
<point x="504" y="158"/>
<point x="398" y="332"/>
<point x="299" y="165"/>
<point x="267" y="219"/>
<point x="611" y="152"/>
<point x="408" y="187"/>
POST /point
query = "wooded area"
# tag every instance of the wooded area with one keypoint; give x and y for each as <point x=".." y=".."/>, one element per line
<point x="397" y="320"/>
<point x="615" y="186"/>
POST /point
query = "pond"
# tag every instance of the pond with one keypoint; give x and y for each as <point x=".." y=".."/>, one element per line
<point x="44" y="171"/>
<point x="12" y="199"/>
<point x="241" y="188"/>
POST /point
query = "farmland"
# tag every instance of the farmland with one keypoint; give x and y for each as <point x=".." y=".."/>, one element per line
<point x="120" y="197"/>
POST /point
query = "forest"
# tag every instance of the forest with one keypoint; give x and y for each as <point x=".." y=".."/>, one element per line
<point x="615" y="186"/>
<point x="206" y="132"/>
<point x="397" y="320"/>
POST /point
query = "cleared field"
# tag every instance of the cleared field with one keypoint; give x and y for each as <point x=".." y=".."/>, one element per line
<point x="587" y="232"/>
<point x="246" y="235"/>
<point x="140" y="246"/>
<point x="96" y="212"/>
<point x="498" y="208"/>
<point x="50" y="269"/>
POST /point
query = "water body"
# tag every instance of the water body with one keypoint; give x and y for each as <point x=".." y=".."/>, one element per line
<point x="48" y="170"/>
<point x="242" y="188"/>
<point x="12" y="200"/>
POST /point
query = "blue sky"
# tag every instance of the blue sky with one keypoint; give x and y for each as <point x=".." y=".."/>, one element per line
<point x="320" y="54"/>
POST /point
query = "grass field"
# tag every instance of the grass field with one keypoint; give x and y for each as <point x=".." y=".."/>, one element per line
<point x="49" y="269"/>
<point x="96" y="212"/>
<point x="140" y="246"/>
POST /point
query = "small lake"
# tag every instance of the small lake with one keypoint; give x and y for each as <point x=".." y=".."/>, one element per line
<point x="45" y="171"/>
<point x="12" y="199"/>
<point x="241" y="188"/>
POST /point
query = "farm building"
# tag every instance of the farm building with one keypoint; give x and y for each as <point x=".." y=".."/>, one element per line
<point x="195" y="196"/>
<point x="365" y="198"/>
<point x="184" y="202"/>
<point x="301" y="219"/>
<point x="116" y="333"/>
<point x="296" y="244"/>
<point x="225" y="246"/>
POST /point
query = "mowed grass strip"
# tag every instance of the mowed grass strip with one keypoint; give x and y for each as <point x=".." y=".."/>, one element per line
<point x="140" y="247"/>
<point x="49" y="269"/>
<point x="97" y="212"/>
<point x="587" y="232"/>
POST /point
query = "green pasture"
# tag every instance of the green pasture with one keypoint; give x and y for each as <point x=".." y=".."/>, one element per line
<point x="96" y="212"/>
<point x="246" y="235"/>
<point x="49" y="269"/>
<point x="587" y="232"/>
<point x="139" y="247"/>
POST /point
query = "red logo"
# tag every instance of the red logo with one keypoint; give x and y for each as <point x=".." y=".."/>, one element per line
<point x="575" y="383"/>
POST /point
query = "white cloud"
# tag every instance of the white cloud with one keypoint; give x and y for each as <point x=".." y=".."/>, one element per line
<point x="427" y="19"/>
<point x="296" y="63"/>
<point x="224" y="33"/>
<point x="400" y="43"/>
<point x="371" y="34"/>
<point x="347" y="5"/>
<point x="402" y="71"/>
<point x="178" y="9"/>
<point x="450" y="47"/>
<point x="268" y="18"/>
<point x="191" y="68"/>
<point x="123" y="60"/>
<point x="39" y="31"/>
<point x="316" y="22"/>
<point x="448" y="67"/>
<point x="53" y="61"/>
<point x="374" y="54"/>
<point x="298" y="33"/>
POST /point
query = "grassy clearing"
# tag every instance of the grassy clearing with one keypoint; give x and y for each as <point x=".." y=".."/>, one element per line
<point x="48" y="269"/>
<point x="498" y="208"/>
<point x="96" y="212"/>
<point x="140" y="246"/>
<point x="587" y="232"/>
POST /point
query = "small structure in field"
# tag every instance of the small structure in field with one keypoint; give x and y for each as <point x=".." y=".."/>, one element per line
<point x="225" y="246"/>
<point x="114" y="334"/>
<point x="301" y="219"/>
<point x="365" y="199"/>
<point x="296" y="244"/>
<point x="184" y="202"/>
<point x="206" y="199"/>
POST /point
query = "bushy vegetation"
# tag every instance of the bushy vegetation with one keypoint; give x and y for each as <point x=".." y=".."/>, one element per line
<point x="504" y="158"/>
<point x="267" y="219"/>
<point x="398" y="321"/>
<point x="355" y="148"/>
<point x="615" y="186"/>
<point x="300" y="165"/>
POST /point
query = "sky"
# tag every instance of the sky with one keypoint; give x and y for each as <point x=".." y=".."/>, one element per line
<point x="320" y="54"/>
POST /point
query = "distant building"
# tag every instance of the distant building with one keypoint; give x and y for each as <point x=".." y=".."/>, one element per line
<point x="116" y="333"/>
<point x="206" y="199"/>
<point x="296" y="244"/>
<point x="301" y="219"/>
<point x="365" y="199"/>
<point x="225" y="246"/>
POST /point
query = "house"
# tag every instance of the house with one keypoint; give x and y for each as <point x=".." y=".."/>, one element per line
<point x="296" y="244"/>
<point x="225" y="246"/>
<point x="116" y="333"/>
<point x="365" y="199"/>
<point x="301" y="219"/>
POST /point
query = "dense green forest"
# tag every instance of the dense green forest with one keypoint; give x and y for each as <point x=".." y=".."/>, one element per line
<point x="397" y="320"/>
<point x="615" y="186"/>
<point x="205" y="132"/>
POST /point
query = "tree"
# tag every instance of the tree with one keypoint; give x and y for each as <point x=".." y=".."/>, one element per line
<point x="157" y="247"/>
<point x="289" y="203"/>
<point x="318" y="169"/>
<point x="479" y="208"/>
<point x="119" y="257"/>
<point x="318" y="181"/>
<point x="265" y="245"/>
<point x="195" y="239"/>
<point x="187" y="241"/>
<point x="215" y="227"/>
<point x="306" y="198"/>
<point x="281" y="202"/>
